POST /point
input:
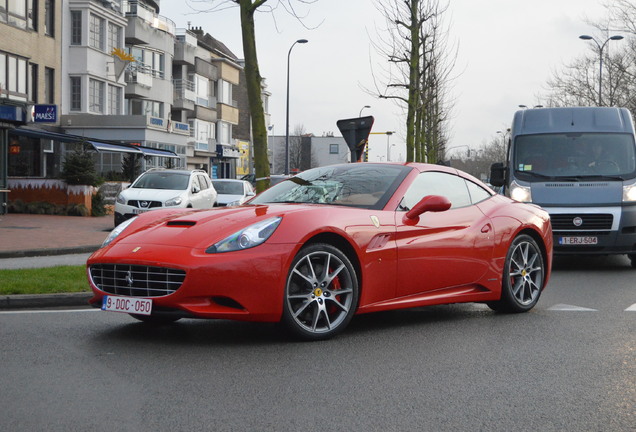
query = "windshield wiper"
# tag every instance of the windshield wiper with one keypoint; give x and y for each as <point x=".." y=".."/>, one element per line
<point x="600" y="177"/>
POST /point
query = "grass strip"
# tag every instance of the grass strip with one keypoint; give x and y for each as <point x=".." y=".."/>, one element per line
<point x="60" y="279"/>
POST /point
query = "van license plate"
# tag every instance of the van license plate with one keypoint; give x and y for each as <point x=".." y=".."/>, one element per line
<point x="140" y="306"/>
<point x="578" y="240"/>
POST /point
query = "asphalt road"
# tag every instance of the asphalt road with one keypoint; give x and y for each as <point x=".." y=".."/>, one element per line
<point x="569" y="365"/>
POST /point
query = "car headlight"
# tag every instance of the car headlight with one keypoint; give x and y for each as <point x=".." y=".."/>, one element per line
<point x="629" y="193"/>
<point x="520" y="193"/>
<point x="120" y="199"/>
<point x="248" y="237"/>
<point x="234" y="203"/>
<point x="118" y="230"/>
<point x="174" y="201"/>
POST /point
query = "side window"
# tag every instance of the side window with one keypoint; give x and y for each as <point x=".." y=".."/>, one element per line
<point x="477" y="193"/>
<point x="203" y="182"/>
<point x="438" y="183"/>
<point x="195" y="182"/>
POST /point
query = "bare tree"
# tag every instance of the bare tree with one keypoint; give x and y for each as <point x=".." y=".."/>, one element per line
<point x="418" y="71"/>
<point x="577" y="82"/>
<point x="295" y="149"/>
<point x="252" y="73"/>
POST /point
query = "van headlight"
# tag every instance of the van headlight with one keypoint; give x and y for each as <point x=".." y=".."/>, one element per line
<point x="629" y="193"/>
<point x="520" y="193"/>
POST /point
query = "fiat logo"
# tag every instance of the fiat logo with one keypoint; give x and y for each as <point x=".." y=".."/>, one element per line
<point x="577" y="221"/>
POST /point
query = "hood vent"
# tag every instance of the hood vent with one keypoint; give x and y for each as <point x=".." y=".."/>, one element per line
<point x="178" y="223"/>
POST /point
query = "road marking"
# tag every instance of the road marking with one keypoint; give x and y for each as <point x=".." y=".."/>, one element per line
<point x="17" y="312"/>
<point x="565" y="307"/>
<point x="632" y="308"/>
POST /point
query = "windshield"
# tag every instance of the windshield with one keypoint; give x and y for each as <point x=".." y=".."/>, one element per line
<point x="358" y="185"/>
<point x="574" y="155"/>
<point x="163" y="180"/>
<point x="228" y="187"/>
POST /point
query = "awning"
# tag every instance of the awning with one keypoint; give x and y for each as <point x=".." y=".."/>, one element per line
<point x="119" y="148"/>
<point x="98" y="145"/>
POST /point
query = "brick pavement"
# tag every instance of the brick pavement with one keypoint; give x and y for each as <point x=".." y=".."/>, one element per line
<point x="32" y="235"/>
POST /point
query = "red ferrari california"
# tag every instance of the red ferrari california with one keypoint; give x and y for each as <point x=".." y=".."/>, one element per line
<point x="327" y="244"/>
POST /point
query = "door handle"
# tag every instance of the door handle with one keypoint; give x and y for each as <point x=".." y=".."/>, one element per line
<point x="486" y="228"/>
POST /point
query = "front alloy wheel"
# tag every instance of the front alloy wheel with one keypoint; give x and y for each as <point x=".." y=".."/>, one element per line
<point x="321" y="294"/>
<point x="523" y="276"/>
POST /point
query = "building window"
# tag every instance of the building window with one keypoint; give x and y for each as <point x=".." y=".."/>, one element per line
<point x="96" y="32"/>
<point x="202" y="90"/>
<point x="95" y="96"/>
<point x="49" y="17"/>
<point x="49" y="85"/>
<point x="334" y="149"/>
<point x="14" y="76"/>
<point x="114" y="37"/>
<point x="33" y="83"/>
<point x="76" y="27"/>
<point x="225" y="95"/>
<point x="19" y="13"/>
<point x="76" y="93"/>
<point x="224" y="133"/>
<point x="114" y="100"/>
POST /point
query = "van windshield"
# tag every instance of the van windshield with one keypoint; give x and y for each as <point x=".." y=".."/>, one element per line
<point x="590" y="155"/>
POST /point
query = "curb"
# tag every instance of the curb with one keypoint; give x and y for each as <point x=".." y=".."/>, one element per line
<point x="36" y="301"/>
<point x="48" y="252"/>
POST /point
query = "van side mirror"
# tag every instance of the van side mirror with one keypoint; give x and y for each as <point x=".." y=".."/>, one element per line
<point x="497" y="174"/>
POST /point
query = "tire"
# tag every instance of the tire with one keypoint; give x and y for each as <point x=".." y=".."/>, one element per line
<point x="321" y="293"/>
<point x="523" y="276"/>
<point x="155" y="319"/>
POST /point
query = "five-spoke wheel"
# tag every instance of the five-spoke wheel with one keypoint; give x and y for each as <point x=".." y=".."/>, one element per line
<point x="321" y="294"/>
<point x="523" y="276"/>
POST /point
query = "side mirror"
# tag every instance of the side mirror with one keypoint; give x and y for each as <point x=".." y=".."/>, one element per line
<point x="430" y="203"/>
<point x="196" y="189"/>
<point x="250" y="194"/>
<point x="497" y="174"/>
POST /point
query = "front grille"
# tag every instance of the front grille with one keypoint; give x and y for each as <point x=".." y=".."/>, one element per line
<point x="136" y="280"/>
<point x="565" y="222"/>
<point x="144" y="204"/>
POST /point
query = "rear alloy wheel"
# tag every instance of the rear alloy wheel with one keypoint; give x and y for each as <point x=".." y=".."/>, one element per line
<point x="321" y="294"/>
<point x="523" y="276"/>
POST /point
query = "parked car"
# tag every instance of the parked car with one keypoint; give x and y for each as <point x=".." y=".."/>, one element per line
<point x="327" y="244"/>
<point x="232" y="192"/>
<point x="160" y="188"/>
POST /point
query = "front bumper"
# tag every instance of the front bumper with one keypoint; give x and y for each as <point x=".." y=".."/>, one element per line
<point x="245" y="285"/>
<point x="619" y="238"/>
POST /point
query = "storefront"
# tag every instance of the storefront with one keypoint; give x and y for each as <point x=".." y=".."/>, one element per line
<point x="12" y="114"/>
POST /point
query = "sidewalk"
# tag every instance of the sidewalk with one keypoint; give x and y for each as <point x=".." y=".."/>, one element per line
<point x="26" y="235"/>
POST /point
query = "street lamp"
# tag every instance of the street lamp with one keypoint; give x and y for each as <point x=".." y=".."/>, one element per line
<point x="366" y="106"/>
<point x="600" y="68"/>
<point x="302" y="41"/>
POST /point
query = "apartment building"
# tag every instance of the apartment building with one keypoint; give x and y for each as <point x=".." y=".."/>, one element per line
<point x="30" y="73"/>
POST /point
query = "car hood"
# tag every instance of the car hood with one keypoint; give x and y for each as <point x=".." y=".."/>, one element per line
<point x="226" y="198"/>
<point x="150" y="194"/>
<point x="199" y="229"/>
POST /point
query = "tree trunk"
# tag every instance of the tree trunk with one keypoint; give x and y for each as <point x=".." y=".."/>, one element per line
<point x="253" y="84"/>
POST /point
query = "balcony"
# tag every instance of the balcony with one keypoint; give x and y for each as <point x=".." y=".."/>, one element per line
<point x="143" y="22"/>
<point x="184" y="95"/>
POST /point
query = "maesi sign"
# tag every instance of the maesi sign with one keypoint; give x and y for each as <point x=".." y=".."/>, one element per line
<point x="45" y="113"/>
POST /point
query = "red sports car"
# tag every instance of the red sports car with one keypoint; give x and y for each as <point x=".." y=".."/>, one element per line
<point x="327" y="244"/>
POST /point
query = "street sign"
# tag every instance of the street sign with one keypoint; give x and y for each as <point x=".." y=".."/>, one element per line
<point x="355" y="132"/>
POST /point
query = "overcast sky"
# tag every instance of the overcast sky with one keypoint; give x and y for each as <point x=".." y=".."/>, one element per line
<point x="507" y="49"/>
